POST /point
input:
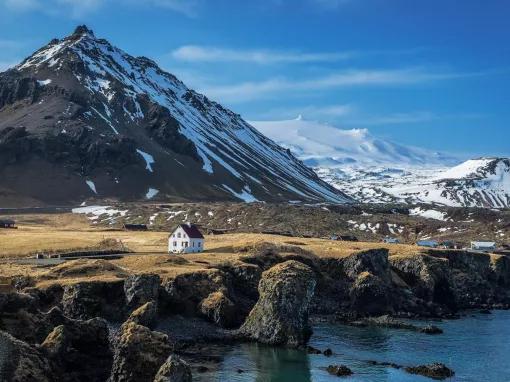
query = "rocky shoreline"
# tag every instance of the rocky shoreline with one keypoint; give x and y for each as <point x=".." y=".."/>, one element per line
<point x="101" y="330"/>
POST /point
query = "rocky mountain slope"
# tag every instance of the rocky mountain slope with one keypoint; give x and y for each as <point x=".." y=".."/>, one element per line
<point x="81" y="118"/>
<point x="374" y="170"/>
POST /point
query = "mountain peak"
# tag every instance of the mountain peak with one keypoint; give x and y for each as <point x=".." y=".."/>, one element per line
<point x="83" y="29"/>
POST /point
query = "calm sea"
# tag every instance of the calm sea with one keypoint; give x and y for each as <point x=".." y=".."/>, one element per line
<point x="476" y="347"/>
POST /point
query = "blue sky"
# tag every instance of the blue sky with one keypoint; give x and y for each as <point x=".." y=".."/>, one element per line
<point x="427" y="73"/>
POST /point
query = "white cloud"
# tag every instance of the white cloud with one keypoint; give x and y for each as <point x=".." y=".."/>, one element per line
<point x="79" y="8"/>
<point x="309" y="112"/>
<point x="196" y="53"/>
<point x="409" y="118"/>
<point x="348" y="78"/>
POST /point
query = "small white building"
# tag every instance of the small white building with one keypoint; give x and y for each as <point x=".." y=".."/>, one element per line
<point x="186" y="238"/>
<point x="485" y="246"/>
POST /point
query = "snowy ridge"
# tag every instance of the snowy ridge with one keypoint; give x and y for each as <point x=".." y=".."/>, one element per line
<point x="224" y="142"/>
<point x="373" y="170"/>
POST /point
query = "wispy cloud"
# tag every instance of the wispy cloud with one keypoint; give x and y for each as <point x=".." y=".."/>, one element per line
<point x="348" y="78"/>
<point x="196" y="53"/>
<point x="409" y="118"/>
<point x="79" y="8"/>
<point x="309" y="112"/>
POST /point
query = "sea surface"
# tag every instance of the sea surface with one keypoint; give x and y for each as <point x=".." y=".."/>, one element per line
<point x="476" y="347"/>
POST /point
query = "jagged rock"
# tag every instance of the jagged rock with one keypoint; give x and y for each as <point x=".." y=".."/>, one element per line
<point x="431" y="329"/>
<point x="339" y="370"/>
<point x="185" y="291"/>
<point x="81" y="350"/>
<point x="140" y="289"/>
<point x="434" y="370"/>
<point x="20" y="362"/>
<point x="374" y="261"/>
<point x="85" y="300"/>
<point x="174" y="370"/>
<point x="280" y="316"/>
<point x="369" y="295"/>
<point x="219" y="309"/>
<point x="138" y="354"/>
<point x="427" y="276"/>
<point x="145" y="315"/>
<point x="20" y="317"/>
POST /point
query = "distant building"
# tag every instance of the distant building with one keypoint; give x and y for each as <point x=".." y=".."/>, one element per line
<point x="135" y="227"/>
<point x="448" y="244"/>
<point x="7" y="223"/>
<point x="186" y="238"/>
<point x="484" y="246"/>
<point x="427" y="243"/>
<point x="391" y="240"/>
<point x="343" y="237"/>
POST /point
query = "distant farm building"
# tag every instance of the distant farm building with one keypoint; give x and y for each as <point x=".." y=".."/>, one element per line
<point x="135" y="227"/>
<point x="347" y="238"/>
<point x="391" y="240"/>
<point x="448" y="244"/>
<point x="427" y="243"/>
<point x="186" y="238"/>
<point x="7" y="223"/>
<point x="484" y="246"/>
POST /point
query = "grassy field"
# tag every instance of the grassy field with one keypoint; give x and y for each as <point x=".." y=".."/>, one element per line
<point x="59" y="232"/>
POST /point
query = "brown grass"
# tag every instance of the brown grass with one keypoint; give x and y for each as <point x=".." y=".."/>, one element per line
<point x="68" y="231"/>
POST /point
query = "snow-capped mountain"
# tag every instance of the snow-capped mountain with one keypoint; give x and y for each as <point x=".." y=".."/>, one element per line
<point x="483" y="182"/>
<point x="82" y="118"/>
<point x="322" y="145"/>
<point x="374" y="170"/>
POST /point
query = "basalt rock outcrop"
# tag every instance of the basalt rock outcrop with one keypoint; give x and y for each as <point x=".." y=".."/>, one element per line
<point x="85" y="300"/>
<point x="20" y="362"/>
<point x="174" y="370"/>
<point x="80" y="350"/>
<point x="280" y="316"/>
<point x="140" y="289"/>
<point x="139" y="353"/>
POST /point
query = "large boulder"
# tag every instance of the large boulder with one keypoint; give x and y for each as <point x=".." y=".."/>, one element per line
<point x="81" y="350"/>
<point x="218" y="308"/>
<point x="20" y="362"/>
<point x="280" y="316"/>
<point x="140" y="289"/>
<point x="139" y="353"/>
<point x="145" y="315"/>
<point x="85" y="300"/>
<point x="369" y="295"/>
<point x="174" y="370"/>
<point x="184" y="292"/>
<point x="427" y="276"/>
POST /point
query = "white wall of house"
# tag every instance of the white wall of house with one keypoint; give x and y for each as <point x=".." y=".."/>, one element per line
<point x="180" y="242"/>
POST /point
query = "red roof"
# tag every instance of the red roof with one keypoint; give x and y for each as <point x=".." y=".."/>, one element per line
<point x="192" y="231"/>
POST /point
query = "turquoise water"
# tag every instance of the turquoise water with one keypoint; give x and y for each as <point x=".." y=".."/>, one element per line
<point x="476" y="347"/>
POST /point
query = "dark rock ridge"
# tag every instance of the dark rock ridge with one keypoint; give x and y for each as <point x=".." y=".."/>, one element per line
<point x="80" y="109"/>
<point x="265" y="296"/>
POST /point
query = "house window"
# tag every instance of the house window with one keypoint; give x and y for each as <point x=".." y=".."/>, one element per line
<point x="198" y="244"/>
<point x="175" y="244"/>
<point x="185" y="244"/>
<point x="179" y="235"/>
<point x="193" y="244"/>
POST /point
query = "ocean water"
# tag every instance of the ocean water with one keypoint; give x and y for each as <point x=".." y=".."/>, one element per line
<point x="476" y="347"/>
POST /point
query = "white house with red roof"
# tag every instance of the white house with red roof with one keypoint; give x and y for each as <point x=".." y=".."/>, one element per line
<point x="186" y="238"/>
